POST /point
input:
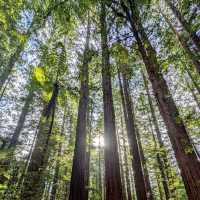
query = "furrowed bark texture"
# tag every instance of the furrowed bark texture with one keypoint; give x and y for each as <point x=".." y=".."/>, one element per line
<point x="112" y="168"/>
<point x="132" y="138"/>
<point x="20" y="123"/>
<point x="78" y="181"/>
<point x="34" y="183"/>
<point x="183" y="149"/>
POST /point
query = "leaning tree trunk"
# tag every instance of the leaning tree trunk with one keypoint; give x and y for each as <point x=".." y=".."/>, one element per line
<point x="183" y="43"/>
<point x="194" y="80"/>
<point x="185" y="25"/>
<point x="183" y="149"/>
<point x="132" y="138"/>
<point x="10" y="65"/>
<point x="112" y="168"/>
<point x="5" y="164"/>
<point x="34" y="184"/>
<point x="161" y="158"/>
<point x="78" y="183"/>
<point x="20" y="123"/>
<point x="193" y="94"/>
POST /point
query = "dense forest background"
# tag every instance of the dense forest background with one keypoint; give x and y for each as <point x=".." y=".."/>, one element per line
<point x="99" y="99"/>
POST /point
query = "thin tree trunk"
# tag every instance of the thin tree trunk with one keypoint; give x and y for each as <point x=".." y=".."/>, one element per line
<point x="70" y="143"/>
<point x="146" y="173"/>
<point x="33" y="183"/>
<point x="4" y="88"/>
<point x="193" y="94"/>
<point x="159" y="186"/>
<point x="128" y="184"/>
<point x="20" y="123"/>
<point x="132" y="137"/>
<point x="194" y="80"/>
<point x="185" y="25"/>
<point x="88" y="152"/>
<point x="100" y="174"/>
<point x="122" y="170"/>
<point x="112" y="168"/>
<point x="59" y="154"/>
<point x="24" y="171"/>
<point x="183" y="43"/>
<point x="162" y="160"/>
<point x="5" y="164"/>
<point x="183" y="149"/>
<point x="10" y="65"/>
<point x="77" y="185"/>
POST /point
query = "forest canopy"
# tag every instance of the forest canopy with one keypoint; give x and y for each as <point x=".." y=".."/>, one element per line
<point x="100" y="100"/>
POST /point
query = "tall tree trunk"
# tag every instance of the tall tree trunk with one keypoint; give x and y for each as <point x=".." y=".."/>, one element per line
<point x="185" y="25"/>
<point x="33" y="183"/>
<point x="5" y="164"/>
<point x="146" y="173"/>
<point x="77" y="185"/>
<point x="127" y="174"/>
<point x="100" y="187"/>
<point x="20" y="123"/>
<point x="4" y="88"/>
<point x="112" y="168"/>
<point x="88" y="152"/>
<point x="10" y="65"/>
<point x="59" y="154"/>
<point x="184" y="44"/>
<point x="69" y="144"/>
<point x="25" y="168"/>
<point x="183" y="149"/>
<point x="132" y="137"/>
<point x="161" y="159"/>
<point x="122" y="170"/>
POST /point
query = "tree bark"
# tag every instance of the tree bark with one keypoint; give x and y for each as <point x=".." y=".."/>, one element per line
<point x="161" y="159"/>
<point x="132" y="137"/>
<point x="10" y="65"/>
<point x="193" y="79"/>
<point x="59" y="154"/>
<point x="112" y="168"/>
<point x="34" y="185"/>
<point x="100" y="187"/>
<point x="183" y="149"/>
<point x="127" y="174"/>
<point x="88" y="152"/>
<point x="159" y="186"/>
<point x="193" y="94"/>
<point x="20" y="123"/>
<point x="124" y="194"/>
<point x="78" y="182"/>
<point x="145" y="169"/>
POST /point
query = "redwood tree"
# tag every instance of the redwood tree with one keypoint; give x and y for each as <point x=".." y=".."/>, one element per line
<point x="112" y="167"/>
<point x="78" y="182"/>
<point x="183" y="149"/>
